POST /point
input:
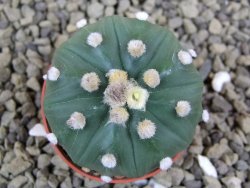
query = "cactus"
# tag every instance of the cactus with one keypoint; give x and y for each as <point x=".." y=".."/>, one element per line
<point x="122" y="97"/>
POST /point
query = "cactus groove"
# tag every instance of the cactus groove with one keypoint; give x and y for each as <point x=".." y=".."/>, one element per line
<point x="137" y="68"/>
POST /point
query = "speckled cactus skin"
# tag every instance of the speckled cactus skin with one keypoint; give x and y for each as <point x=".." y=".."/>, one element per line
<point x="134" y="156"/>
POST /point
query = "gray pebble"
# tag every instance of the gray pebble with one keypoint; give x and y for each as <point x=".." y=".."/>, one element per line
<point x="189" y="9"/>
<point x="18" y="181"/>
<point x="215" y="26"/>
<point x="5" y="95"/>
<point x="211" y="182"/>
<point x="220" y="104"/>
<point x="4" y="74"/>
<point x="175" y="22"/>
<point x="43" y="161"/>
<point x="242" y="165"/>
<point x="95" y="10"/>
<point x="193" y="184"/>
<point x="33" y="84"/>
<point x="59" y="163"/>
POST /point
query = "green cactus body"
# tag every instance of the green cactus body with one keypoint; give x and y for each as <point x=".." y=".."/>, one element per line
<point x="108" y="133"/>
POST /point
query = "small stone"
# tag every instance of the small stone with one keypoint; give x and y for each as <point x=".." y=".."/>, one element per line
<point x="13" y="14"/>
<point x="17" y="182"/>
<point x="242" y="81"/>
<point x="109" y="2"/>
<point x="45" y="50"/>
<point x="109" y="11"/>
<point x="215" y="26"/>
<point x="19" y="66"/>
<point x="218" y="48"/>
<point x="244" y="122"/>
<point x="4" y="74"/>
<point x="5" y="95"/>
<point x="193" y="184"/>
<point x="91" y="183"/>
<point x="211" y="182"/>
<point x="7" y="117"/>
<point x="123" y="6"/>
<point x="220" y="104"/>
<point x="164" y="179"/>
<point x="217" y="150"/>
<point x="53" y="181"/>
<point x="232" y="182"/>
<point x="5" y="59"/>
<point x="59" y="163"/>
<point x="244" y="60"/>
<point x="32" y="83"/>
<point x="66" y="183"/>
<point x="177" y="175"/>
<point x="189" y="9"/>
<point x="10" y="105"/>
<point x="43" y="161"/>
<point x="16" y="166"/>
<point x="149" y="5"/>
<point x="95" y="10"/>
<point x="189" y="26"/>
<point x="241" y="165"/>
<point x="175" y="22"/>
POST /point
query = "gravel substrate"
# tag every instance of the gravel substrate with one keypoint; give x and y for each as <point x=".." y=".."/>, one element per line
<point x="219" y="31"/>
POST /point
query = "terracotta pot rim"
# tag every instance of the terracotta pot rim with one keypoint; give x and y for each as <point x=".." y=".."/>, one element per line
<point x="59" y="151"/>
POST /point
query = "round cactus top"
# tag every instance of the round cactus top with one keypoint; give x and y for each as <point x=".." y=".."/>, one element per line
<point x="122" y="97"/>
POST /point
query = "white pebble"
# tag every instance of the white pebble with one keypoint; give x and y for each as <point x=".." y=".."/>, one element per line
<point x="94" y="39"/>
<point x="184" y="57"/>
<point x="52" y="138"/>
<point x="220" y="78"/>
<point x="136" y="48"/>
<point x="53" y="74"/>
<point x="205" y="116"/>
<point x="142" y="15"/>
<point x="192" y="53"/>
<point x="81" y="23"/>
<point x="108" y="160"/>
<point x="207" y="167"/>
<point x="106" y="179"/>
<point x="45" y="77"/>
<point x="166" y="163"/>
<point x="37" y="130"/>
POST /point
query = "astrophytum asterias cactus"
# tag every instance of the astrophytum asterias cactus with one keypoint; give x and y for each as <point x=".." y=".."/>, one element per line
<point x="122" y="97"/>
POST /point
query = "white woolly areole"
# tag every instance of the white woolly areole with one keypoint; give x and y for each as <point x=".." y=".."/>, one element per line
<point x="115" y="94"/>
<point x="205" y="116"/>
<point x="192" y="53"/>
<point x="76" y="121"/>
<point x="137" y="97"/>
<point x="142" y="15"/>
<point x="117" y="75"/>
<point x="106" y="179"/>
<point x="52" y="138"/>
<point x="184" y="57"/>
<point x="37" y="130"/>
<point x="53" y="74"/>
<point x="183" y="108"/>
<point x="146" y="129"/>
<point x="152" y="78"/>
<point x="94" y="39"/>
<point x="108" y="160"/>
<point x="136" y="48"/>
<point x="90" y="82"/>
<point x="118" y="115"/>
<point x="81" y="23"/>
<point x="220" y="78"/>
<point x="166" y="163"/>
<point x="207" y="167"/>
